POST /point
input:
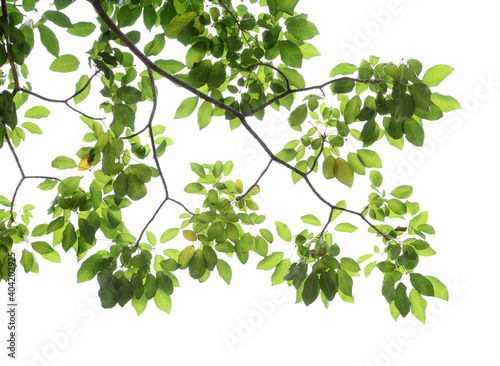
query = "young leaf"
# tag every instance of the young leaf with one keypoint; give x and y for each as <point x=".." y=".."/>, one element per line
<point x="283" y="231"/>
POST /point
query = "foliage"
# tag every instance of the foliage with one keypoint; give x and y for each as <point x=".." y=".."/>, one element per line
<point x="240" y="60"/>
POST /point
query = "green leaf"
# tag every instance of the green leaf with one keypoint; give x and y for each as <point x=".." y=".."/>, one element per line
<point x="82" y="29"/>
<point x="58" y="18"/>
<point x="302" y="29"/>
<point x="286" y="6"/>
<point x="68" y="237"/>
<point x="352" y="109"/>
<point x="27" y="260"/>
<point x="414" y="132"/>
<point x="311" y="220"/>
<point x="283" y="231"/>
<point x="63" y="162"/>
<point x="349" y="264"/>
<point x="150" y="286"/>
<point x="422" y="284"/>
<point x="440" y="290"/>
<point x="388" y="290"/>
<point x="376" y="178"/>
<point x="164" y="283"/>
<point x="169" y="234"/>
<point x="328" y="164"/>
<point x="170" y="66"/>
<point x="155" y="47"/>
<point x="178" y="22"/>
<point x="421" y="95"/>
<point x="68" y="186"/>
<point x="129" y="94"/>
<point x="445" y="102"/>
<point x="206" y="217"/>
<point x="163" y="301"/>
<point x="298" y="116"/>
<point x="345" y="282"/>
<point x="33" y="128"/>
<point x="343" y="171"/>
<point x="187" y="107"/>
<point x="65" y="63"/>
<point x="396" y="206"/>
<point x="310" y="291"/>
<point x="405" y="107"/>
<point x="346" y="227"/>
<point x="46" y="251"/>
<point x="418" y="305"/>
<point x="369" y="158"/>
<point x="402" y="191"/>
<point x="205" y="113"/>
<point x="290" y="53"/>
<point x="197" y="265"/>
<point x="87" y="230"/>
<point x="89" y="268"/>
<point x="402" y="301"/>
<point x="270" y="261"/>
<point x="193" y="188"/>
<point x="436" y="74"/>
<point x="224" y="271"/>
<point x="29" y="5"/>
<point x="327" y="285"/>
<point x="343" y="69"/>
<point x="37" y="112"/>
<point x="135" y="188"/>
<point x="49" y="40"/>
<point x="47" y="185"/>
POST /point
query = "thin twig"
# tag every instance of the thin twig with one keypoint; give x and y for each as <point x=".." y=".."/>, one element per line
<point x="258" y="179"/>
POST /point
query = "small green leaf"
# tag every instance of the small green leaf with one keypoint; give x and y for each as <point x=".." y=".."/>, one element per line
<point x="343" y="171"/>
<point x="422" y="284"/>
<point x="163" y="301"/>
<point x="298" y="116"/>
<point x="445" y="102"/>
<point x="310" y="291"/>
<point x="82" y="29"/>
<point x="270" y="261"/>
<point x="224" y="271"/>
<point x="440" y="290"/>
<point x="187" y="107"/>
<point x="290" y="54"/>
<point x="169" y="234"/>
<point x="414" y="132"/>
<point x="89" y="268"/>
<point x="283" y="231"/>
<point x="46" y="251"/>
<point x="349" y="264"/>
<point x="343" y="69"/>
<point x="418" y="305"/>
<point x="311" y="220"/>
<point x="32" y="128"/>
<point x="37" y="112"/>
<point x="346" y="227"/>
<point x="63" y="162"/>
<point x="49" y="40"/>
<point x="369" y="158"/>
<point x="402" y="301"/>
<point x="436" y="74"/>
<point x="402" y="191"/>
<point x="65" y="63"/>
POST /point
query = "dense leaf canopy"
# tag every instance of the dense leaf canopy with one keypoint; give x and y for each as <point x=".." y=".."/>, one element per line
<point x="240" y="60"/>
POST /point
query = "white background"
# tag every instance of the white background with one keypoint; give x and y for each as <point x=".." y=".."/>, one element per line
<point x="250" y="322"/>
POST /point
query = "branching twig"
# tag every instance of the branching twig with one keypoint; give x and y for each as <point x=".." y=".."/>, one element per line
<point x="242" y="117"/>
<point x="258" y="179"/>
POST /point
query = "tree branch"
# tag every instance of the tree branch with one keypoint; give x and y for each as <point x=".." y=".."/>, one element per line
<point x="15" y="76"/>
